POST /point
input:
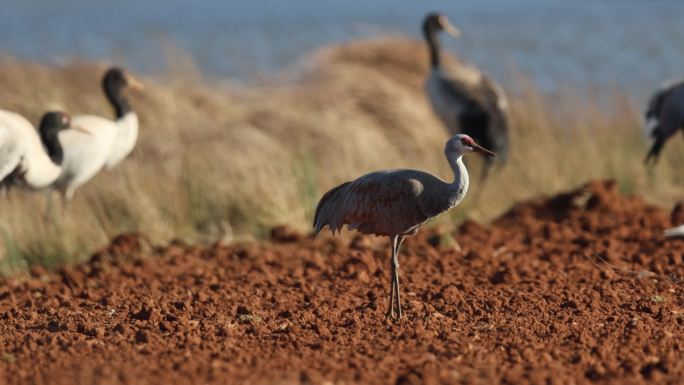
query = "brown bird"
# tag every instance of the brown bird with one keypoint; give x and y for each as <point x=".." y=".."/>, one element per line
<point x="395" y="203"/>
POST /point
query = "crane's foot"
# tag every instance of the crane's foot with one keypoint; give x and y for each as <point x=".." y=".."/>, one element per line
<point x="393" y="313"/>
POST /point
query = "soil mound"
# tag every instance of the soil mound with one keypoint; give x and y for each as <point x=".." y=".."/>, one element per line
<point x="578" y="288"/>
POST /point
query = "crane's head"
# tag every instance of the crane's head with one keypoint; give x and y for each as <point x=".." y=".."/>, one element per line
<point x="436" y="22"/>
<point x="460" y="144"/>
<point x="116" y="79"/>
<point x="53" y="122"/>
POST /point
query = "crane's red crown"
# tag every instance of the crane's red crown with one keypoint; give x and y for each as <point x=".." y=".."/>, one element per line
<point x="467" y="141"/>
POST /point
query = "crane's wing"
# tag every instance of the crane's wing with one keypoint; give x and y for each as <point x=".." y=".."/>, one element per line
<point x="473" y="105"/>
<point x="383" y="203"/>
<point x="653" y="111"/>
<point x="85" y="153"/>
<point x="665" y="110"/>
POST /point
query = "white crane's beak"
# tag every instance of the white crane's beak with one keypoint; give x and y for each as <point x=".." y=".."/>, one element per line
<point x="81" y="129"/>
<point x="482" y="150"/>
<point x="451" y="30"/>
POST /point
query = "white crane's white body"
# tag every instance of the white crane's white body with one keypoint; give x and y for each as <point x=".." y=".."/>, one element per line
<point x="124" y="142"/>
<point x="85" y="154"/>
<point x="675" y="232"/>
<point x="21" y="150"/>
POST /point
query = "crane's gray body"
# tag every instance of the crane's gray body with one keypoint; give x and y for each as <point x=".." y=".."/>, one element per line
<point x="391" y="202"/>
<point x="664" y="116"/>
<point x="468" y="102"/>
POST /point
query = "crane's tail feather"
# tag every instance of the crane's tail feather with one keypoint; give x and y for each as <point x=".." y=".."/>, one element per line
<point x="328" y="211"/>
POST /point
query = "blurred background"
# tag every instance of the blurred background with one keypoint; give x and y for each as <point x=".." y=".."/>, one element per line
<point x="253" y="109"/>
<point x="630" y="43"/>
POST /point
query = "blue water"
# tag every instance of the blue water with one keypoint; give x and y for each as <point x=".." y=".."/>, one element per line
<point x="632" y="44"/>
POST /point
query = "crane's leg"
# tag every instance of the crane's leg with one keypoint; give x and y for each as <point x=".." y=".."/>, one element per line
<point x="393" y="292"/>
<point x="67" y="194"/>
<point x="47" y="212"/>
<point x="395" y="262"/>
<point x="390" y="310"/>
<point x="394" y="310"/>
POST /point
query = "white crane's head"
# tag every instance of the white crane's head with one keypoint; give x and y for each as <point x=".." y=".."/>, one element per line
<point x="436" y="22"/>
<point x="460" y="144"/>
<point x="54" y="121"/>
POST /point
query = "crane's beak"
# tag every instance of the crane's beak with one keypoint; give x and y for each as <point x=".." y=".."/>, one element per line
<point x="81" y="129"/>
<point x="134" y="83"/>
<point x="482" y="150"/>
<point x="451" y="30"/>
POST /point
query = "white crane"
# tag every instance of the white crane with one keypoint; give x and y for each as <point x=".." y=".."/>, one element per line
<point x="395" y="203"/>
<point x="31" y="158"/>
<point x="108" y="141"/>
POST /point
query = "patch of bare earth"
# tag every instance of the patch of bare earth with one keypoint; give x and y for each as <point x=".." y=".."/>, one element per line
<point x="578" y="288"/>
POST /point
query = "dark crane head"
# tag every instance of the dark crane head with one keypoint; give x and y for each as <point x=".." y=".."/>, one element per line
<point x="114" y="82"/>
<point x="436" y="22"/>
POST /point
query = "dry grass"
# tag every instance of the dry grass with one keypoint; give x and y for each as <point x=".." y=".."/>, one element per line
<point x="216" y="161"/>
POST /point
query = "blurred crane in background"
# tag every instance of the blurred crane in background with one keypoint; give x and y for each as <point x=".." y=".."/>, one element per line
<point x="664" y="116"/>
<point x="107" y="141"/>
<point x="31" y="158"/>
<point x="464" y="98"/>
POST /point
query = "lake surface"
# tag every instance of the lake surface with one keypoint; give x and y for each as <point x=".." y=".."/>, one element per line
<point x="632" y="44"/>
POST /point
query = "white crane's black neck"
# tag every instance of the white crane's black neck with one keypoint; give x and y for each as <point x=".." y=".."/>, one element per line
<point x="49" y="135"/>
<point x="114" y="93"/>
<point x="433" y="45"/>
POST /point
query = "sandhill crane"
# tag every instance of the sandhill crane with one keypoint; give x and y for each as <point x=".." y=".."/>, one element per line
<point x="664" y="116"/>
<point x="108" y="142"/>
<point x="395" y="203"/>
<point x="463" y="97"/>
<point x="30" y="158"/>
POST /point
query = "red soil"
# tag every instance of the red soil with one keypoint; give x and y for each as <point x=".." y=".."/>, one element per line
<point x="580" y="288"/>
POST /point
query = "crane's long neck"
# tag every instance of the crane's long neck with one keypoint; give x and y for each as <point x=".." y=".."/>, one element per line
<point x="50" y="139"/>
<point x="460" y="184"/>
<point x="433" y="46"/>
<point x="117" y="100"/>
